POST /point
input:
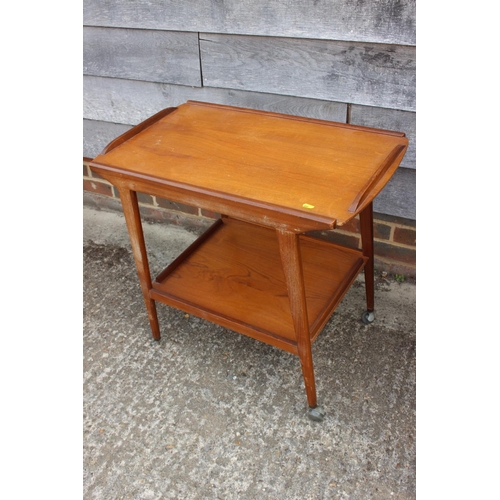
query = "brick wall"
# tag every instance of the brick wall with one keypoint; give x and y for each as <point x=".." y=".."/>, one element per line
<point x="395" y="237"/>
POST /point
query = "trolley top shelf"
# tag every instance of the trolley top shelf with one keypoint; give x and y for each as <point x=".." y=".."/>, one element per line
<point x="311" y="169"/>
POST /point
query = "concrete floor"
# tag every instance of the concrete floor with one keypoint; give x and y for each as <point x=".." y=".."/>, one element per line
<point x="207" y="413"/>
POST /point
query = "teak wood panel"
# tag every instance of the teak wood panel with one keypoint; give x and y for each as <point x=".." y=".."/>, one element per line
<point x="236" y="273"/>
<point x="398" y="198"/>
<point x="300" y="167"/>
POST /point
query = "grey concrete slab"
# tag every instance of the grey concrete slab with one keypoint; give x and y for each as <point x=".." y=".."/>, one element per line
<point x="207" y="413"/>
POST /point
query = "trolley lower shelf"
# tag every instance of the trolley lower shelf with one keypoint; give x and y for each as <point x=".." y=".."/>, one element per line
<point x="233" y="276"/>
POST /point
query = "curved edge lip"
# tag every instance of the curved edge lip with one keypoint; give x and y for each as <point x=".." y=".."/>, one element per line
<point x="385" y="168"/>
<point x="137" y="129"/>
<point x="317" y="121"/>
<point x="242" y="200"/>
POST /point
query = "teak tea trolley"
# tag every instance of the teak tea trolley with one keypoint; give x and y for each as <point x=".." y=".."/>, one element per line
<point x="273" y="178"/>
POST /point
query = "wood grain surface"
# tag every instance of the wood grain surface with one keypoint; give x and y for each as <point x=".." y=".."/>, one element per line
<point x="390" y="21"/>
<point x="130" y="101"/>
<point x="394" y="119"/>
<point x="399" y="196"/>
<point x="156" y="56"/>
<point x="237" y="274"/>
<point x="299" y="166"/>
<point x="275" y="176"/>
<point x="98" y="134"/>
<point x="358" y="73"/>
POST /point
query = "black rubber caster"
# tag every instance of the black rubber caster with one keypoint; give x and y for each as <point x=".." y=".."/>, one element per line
<point x="316" y="414"/>
<point x="368" y="317"/>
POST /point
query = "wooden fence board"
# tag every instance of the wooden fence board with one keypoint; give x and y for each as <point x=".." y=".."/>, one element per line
<point x="130" y="102"/>
<point x="390" y="119"/>
<point x="359" y="73"/>
<point x="156" y="56"/>
<point x="388" y="21"/>
<point x="398" y="198"/>
<point x="97" y="135"/>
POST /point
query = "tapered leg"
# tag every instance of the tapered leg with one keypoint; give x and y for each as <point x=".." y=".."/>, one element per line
<point x="133" y="219"/>
<point x="292" y="267"/>
<point x="366" y="222"/>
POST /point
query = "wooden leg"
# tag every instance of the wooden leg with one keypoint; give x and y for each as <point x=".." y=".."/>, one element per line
<point x="133" y="219"/>
<point x="292" y="267"/>
<point x="366" y="222"/>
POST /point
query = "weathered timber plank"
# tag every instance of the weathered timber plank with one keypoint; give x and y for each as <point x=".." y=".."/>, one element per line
<point x="388" y="21"/>
<point x="398" y="198"/>
<point x="97" y="135"/>
<point x="359" y="73"/>
<point x="155" y="56"/>
<point x="389" y="119"/>
<point x="130" y="102"/>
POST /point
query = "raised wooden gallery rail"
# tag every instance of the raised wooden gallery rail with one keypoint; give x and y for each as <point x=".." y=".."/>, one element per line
<point x="274" y="178"/>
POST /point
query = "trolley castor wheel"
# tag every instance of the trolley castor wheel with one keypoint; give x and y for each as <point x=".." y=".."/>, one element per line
<point x="368" y="317"/>
<point x="316" y="414"/>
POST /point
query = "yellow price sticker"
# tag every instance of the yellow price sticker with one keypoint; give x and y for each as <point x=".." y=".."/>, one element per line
<point x="307" y="205"/>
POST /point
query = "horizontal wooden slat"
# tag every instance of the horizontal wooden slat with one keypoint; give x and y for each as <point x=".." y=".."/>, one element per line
<point x="156" y="56"/>
<point x="130" y="102"/>
<point x="97" y="135"/>
<point x="359" y="73"/>
<point x="390" y="119"/>
<point x="398" y="198"/>
<point x="390" y="21"/>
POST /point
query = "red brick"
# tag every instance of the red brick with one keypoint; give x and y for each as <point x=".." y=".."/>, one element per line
<point x="395" y="220"/>
<point x="352" y="226"/>
<point x="179" y="207"/>
<point x="405" y="236"/>
<point x="95" y="174"/>
<point x="141" y="197"/>
<point x="337" y="237"/>
<point x="178" y="218"/>
<point x="97" y="187"/>
<point x="381" y="231"/>
<point x="402" y="254"/>
<point x="145" y="198"/>
<point x="210" y="214"/>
